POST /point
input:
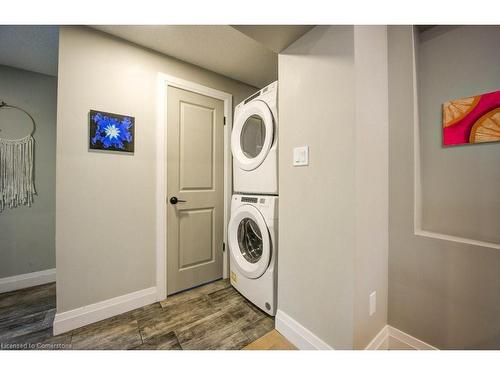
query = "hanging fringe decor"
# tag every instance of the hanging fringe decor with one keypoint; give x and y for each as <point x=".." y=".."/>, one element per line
<point x="17" y="186"/>
<point x="16" y="172"/>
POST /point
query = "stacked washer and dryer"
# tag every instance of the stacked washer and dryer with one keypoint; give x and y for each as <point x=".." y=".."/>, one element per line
<point x="253" y="227"/>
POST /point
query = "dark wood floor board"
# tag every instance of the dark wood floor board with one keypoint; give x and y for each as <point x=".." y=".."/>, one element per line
<point x="258" y="329"/>
<point x="214" y="286"/>
<point x="244" y="314"/>
<point x="27" y="325"/>
<point x="27" y="308"/>
<point x="146" y="312"/>
<point x="59" y="342"/>
<point x="27" y="295"/>
<point x="212" y="316"/>
<point x="195" y="293"/>
<point x="116" y="335"/>
<point x="175" y="316"/>
<point x="16" y="321"/>
<point x="224" y="298"/>
<point x="208" y="326"/>
<point x="223" y="329"/>
<point x="27" y="339"/>
<point x="167" y="341"/>
<point x="225" y="339"/>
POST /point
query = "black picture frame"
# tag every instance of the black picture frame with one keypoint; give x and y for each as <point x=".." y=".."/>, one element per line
<point x="111" y="132"/>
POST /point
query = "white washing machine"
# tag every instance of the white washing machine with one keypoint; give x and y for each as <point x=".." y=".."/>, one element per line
<point x="254" y="143"/>
<point x="253" y="249"/>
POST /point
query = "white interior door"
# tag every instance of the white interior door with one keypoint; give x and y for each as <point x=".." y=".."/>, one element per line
<point x="195" y="189"/>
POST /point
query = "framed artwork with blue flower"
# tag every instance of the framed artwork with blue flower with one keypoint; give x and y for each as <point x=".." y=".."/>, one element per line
<point x="111" y="132"/>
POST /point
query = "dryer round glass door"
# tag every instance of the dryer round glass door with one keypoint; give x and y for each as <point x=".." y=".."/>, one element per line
<point x="252" y="135"/>
<point x="249" y="241"/>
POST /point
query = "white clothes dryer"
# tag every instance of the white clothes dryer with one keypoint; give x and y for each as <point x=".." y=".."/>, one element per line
<point x="254" y="143"/>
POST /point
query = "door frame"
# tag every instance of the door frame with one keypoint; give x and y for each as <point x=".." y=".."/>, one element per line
<point x="163" y="81"/>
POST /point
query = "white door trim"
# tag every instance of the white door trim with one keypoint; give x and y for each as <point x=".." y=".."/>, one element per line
<point x="163" y="82"/>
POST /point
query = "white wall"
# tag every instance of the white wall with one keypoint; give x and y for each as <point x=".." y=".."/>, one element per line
<point x="333" y="213"/>
<point x="27" y="234"/>
<point x="105" y="223"/>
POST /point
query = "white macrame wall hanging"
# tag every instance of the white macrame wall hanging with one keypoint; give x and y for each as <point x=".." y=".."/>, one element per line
<point x="17" y="187"/>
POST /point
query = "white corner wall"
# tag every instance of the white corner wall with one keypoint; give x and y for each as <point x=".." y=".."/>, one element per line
<point x="372" y="181"/>
<point x="317" y="215"/>
<point x="333" y="228"/>
<point x="105" y="218"/>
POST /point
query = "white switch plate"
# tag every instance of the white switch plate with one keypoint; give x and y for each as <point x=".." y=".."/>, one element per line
<point x="373" y="303"/>
<point x="301" y="156"/>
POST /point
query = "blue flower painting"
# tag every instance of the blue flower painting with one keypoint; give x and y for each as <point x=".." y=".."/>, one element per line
<point x="112" y="132"/>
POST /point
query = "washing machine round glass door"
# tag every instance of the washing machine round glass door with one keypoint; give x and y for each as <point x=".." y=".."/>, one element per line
<point x="249" y="241"/>
<point x="252" y="135"/>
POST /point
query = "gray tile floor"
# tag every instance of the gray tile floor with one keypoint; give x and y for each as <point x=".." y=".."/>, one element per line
<point x="213" y="316"/>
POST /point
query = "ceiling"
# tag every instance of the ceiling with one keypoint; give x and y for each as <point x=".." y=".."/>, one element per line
<point x="274" y="37"/>
<point x="33" y="48"/>
<point x="221" y="49"/>
<point x="423" y="28"/>
<point x="247" y="53"/>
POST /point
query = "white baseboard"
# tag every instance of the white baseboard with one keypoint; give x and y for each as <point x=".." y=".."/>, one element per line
<point x="409" y="340"/>
<point x="297" y="334"/>
<point x="380" y="341"/>
<point x="69" y="320"/>
<point x="388" y="335"/>
<point x="27" y="280"/>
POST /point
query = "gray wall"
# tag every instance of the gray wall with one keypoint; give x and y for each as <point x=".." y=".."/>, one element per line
<point x="27" y="233"/>
<point x="442" y="292"/>
<point x="372" y="181"/>
<point x="333" y="213"/>
<point x="316" y="226"/>
<point x="460" y="185"/>
<point x="105" y="223"/>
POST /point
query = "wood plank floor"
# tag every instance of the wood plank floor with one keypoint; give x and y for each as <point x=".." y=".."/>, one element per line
<point x="213" y="316"/>
<point x="272" y="340"/>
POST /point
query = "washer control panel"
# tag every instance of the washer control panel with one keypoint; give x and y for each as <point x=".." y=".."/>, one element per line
<point x="249" y="200"/>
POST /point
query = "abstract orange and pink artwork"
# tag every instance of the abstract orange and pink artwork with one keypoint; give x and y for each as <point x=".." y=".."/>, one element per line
<point x="472" y="120"/>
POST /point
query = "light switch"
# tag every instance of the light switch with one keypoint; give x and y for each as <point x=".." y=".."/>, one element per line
<point x="373" y="303"/>
<point x="301" y="156"/>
